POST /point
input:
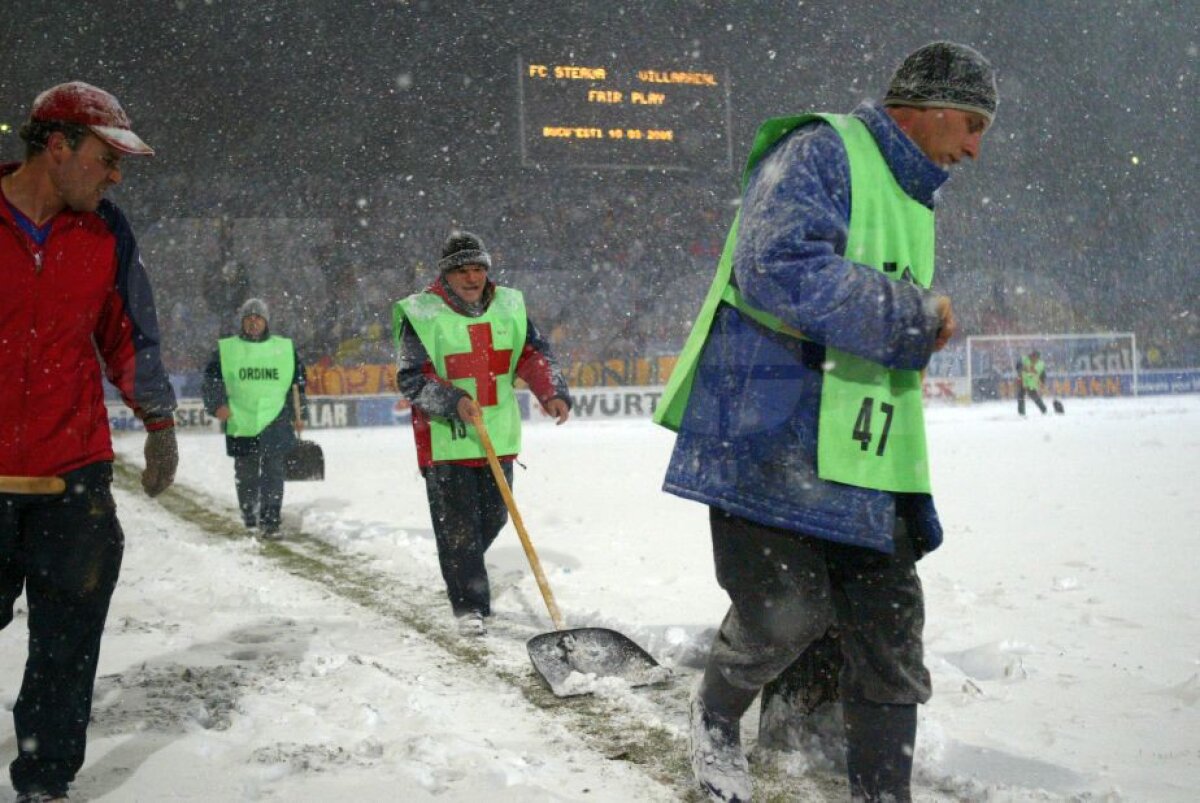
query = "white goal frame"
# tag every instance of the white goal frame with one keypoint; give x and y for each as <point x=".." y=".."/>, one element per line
<point x="1021" y="344"/>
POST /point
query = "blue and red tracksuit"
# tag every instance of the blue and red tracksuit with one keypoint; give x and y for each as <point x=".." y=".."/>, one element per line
<point x="74" y="291"/>
<point x="83" y="292"/>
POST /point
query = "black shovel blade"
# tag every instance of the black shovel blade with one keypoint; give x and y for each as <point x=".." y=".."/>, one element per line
<point x="304" y="462"/>
<point x="569" y="660"/>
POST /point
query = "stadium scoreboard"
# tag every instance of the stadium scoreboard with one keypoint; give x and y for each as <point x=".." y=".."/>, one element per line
<point x="588" y="114"/>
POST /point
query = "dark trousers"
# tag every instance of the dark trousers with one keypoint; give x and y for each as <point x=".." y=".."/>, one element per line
<point x="468" y="513"/>
<point x="258" y="469"/>
<point x="787" y="590"/>
<point x="1033" y="394"/>
<point x="65" y="551"/>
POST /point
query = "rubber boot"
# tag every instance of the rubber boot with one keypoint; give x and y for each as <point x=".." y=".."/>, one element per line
<point x="721" y="698"/>
<point x="718" y="761"/>
<point x="879" y="751"/>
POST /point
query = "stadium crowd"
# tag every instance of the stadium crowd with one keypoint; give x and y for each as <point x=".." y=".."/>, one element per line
<point x="616" y="274"/>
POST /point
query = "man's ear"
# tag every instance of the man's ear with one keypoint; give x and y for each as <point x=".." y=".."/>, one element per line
<point x="57" y="146"/>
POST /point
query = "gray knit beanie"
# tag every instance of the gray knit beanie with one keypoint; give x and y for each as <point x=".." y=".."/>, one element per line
<point x="463" y="248"/>
<point x="253" y="306"/>
<point x="945" y="75"/>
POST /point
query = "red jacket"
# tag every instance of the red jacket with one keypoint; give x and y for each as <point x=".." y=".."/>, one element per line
<point x="82" y="295"/>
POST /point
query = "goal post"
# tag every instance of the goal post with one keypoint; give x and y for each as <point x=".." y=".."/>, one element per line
<point x="1098" y="364"/>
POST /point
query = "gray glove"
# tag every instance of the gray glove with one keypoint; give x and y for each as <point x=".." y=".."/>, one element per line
<point x="162" y="457"/>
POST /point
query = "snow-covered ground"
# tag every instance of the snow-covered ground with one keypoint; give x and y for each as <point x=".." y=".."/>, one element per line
<point x="1063" y="624"/>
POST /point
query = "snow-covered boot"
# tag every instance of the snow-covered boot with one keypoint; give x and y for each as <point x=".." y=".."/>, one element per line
<point x="718" y="761"/>
<point x="879" y="751"/>
<point x="472" y="625"/>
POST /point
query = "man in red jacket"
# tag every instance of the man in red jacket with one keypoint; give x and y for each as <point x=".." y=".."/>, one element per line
<point x="74" y="289"/>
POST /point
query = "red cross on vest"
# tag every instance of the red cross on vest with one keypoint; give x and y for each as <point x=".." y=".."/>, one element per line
<point x="482" y="363"/>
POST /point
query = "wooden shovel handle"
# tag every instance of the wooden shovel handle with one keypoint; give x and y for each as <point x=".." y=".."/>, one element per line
<point x="511" y="504"/>
<point x="296" y="408"/>
<point x="32" y="485"/>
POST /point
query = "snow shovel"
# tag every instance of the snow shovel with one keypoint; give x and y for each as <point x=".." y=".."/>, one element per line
<point x="305" y="460"/>
<point x="564" y="659"/>
<point x="32" y="485"/>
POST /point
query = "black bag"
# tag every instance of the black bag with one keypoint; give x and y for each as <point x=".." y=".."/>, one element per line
<point x="304" y="462"/>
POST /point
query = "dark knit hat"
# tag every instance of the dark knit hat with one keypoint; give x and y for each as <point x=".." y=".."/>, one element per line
<point x="463" y="248"/>
<point x="945" y="75"/>
<point x="254" y="306"/>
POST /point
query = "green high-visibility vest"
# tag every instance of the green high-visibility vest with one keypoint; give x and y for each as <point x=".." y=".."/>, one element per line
<point x="258" y="376"/>
<point x="1031" y="373"/>
<point x="478" y="355"/>
<point x="871" y="429"/>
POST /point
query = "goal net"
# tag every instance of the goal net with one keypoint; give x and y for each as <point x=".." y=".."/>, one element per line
<point x="1102" y="364"/>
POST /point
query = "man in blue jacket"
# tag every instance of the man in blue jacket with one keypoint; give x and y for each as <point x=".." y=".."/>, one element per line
<point x="797" y="402"/>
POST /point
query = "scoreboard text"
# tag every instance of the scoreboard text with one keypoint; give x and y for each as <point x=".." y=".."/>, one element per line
<point x="602" y="116"/>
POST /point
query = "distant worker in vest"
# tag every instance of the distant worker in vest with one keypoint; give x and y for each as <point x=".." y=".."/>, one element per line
<point x="460" y="345"/>
<point x="797" y="403"/>
<point x="1033" y="381"/>
<point x="248" y="387"/>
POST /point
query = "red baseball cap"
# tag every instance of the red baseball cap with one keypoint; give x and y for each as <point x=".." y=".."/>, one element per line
<point x="77" y="102"/>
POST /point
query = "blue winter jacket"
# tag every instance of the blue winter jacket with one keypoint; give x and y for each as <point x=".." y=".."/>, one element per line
<point x="747" y="443"/>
